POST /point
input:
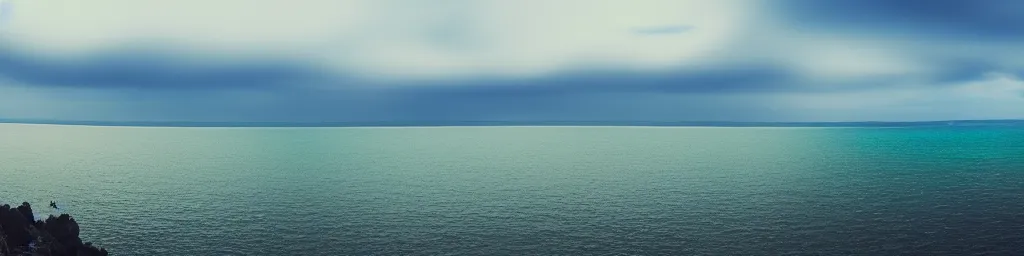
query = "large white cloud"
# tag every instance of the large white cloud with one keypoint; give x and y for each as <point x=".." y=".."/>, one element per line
<point x="392" y="37"/>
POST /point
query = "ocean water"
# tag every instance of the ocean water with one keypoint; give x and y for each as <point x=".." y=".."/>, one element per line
<point x="527" y="190"/>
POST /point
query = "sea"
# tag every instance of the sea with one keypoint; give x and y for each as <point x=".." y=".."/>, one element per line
<point x="548" y="190"/>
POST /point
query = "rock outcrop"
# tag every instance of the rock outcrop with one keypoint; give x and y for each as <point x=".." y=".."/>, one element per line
<point x="55" y="236"/>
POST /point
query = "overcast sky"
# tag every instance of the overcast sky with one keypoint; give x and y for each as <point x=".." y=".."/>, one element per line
<point x="514" y="60"/>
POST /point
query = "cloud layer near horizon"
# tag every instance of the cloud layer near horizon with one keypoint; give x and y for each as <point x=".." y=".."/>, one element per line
<point x="658" y="60"/>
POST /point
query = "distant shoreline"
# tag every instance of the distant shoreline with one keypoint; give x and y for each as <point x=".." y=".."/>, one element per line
<point x="948" y="123"/>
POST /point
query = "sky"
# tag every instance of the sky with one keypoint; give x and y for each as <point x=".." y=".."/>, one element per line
<point x="511" y="60"/>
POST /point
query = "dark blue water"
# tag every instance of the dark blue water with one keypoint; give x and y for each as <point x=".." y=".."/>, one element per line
<point x="527" y="190"/>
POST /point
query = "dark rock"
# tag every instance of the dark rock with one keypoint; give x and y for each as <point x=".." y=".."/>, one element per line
<point x="26" y="210"/>
<point x="15" y="228"/>
<point x="63" y="228"/>
<point x="55" y="236"/>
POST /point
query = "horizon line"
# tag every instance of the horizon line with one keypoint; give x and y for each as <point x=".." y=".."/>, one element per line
<point x="326" y="124"/>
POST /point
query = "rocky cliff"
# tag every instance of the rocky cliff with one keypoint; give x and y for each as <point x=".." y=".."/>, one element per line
<point x="21" y="234"/>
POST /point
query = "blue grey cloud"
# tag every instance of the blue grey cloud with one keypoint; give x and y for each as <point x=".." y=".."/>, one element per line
<point x="953" y="19"/>
<point x="157" y="70"/>
<point x="150" y="69"/>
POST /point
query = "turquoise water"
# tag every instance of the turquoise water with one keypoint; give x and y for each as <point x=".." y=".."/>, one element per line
<point x="526" y="190"/>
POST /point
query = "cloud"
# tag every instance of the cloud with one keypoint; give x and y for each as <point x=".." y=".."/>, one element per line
<point x="995" y="86"/>
<point x="662" y="30"/>
<point x="156" y="70"/>
<point x="33" y="102"/>
<point x="406" y="42"/>
<point x="827" y="42"/>
<point x="995" y="96"/>
<point x="153" y="70"/>
<point x="389" y="39"/>
<point x="218" y="25"/>
<point x="890" y="43"/>
<point x="946" y="19"/>
<point x="666" y="60"/>
<point x="5" y="12"/>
